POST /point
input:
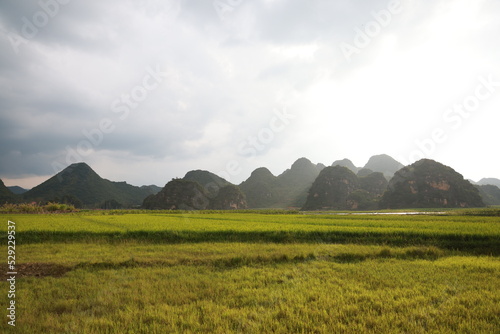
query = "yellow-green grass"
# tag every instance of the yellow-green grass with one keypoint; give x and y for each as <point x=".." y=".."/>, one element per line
<point x="136" y="254"/>
<point x="478" y="234"/>
<point x="252" y="222"/>
<point x="256" y="274"/>
<point x="378" y="295"/>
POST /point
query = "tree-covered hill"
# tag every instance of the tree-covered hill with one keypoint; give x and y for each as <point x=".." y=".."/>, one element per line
<point x="331" y="189"/>
<point x="261" y="189"/>
<point x="208" y="180"/>
<point x="296" y="181"/>
<point x="229" y="197"/>
<point x="489" y="193"/>
<point x="181" y="194"/>
<point x="6" y="196"/>
<point x="429" y="184"/>
<point x="81" y="184"/>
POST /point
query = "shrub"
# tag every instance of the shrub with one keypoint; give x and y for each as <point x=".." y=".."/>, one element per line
<point x="35" y="208"/>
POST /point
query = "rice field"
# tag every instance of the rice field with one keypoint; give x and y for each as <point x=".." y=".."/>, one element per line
<point x="254" y="273"/>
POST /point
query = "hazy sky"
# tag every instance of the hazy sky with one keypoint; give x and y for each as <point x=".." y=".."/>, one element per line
<point x="144" y="91"/>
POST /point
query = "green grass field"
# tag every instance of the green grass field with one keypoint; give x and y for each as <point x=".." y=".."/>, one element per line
<point x="254" y="273"/>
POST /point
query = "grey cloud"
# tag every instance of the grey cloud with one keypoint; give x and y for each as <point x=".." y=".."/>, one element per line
<point x="301" y="22"/>
<point x="219" y="73"/>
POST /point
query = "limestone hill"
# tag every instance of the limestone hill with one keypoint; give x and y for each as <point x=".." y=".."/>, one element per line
<point x="6" y="196"/>
<point x="429" y="184"/>
<point x="211" y="182"/>
<point x="181" y="194"/>
<point x="489" y="193"/>
<point x="262" y="189"/>
<point x="80" y="185"/>
<point x="331" y="189"/>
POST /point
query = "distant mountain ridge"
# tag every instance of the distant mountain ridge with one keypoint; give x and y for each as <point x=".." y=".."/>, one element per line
<point x="16" y="190"/>
<point x="384" y="164"/>
<point x="80" y="185"/>
<point x="381" y="163"/>
<point x="490" y="180"/>
<point x="154" y="189"/>
<point x="289" y="189"/>
<point x="348" y="164"/>
<point x="296" y="181"/>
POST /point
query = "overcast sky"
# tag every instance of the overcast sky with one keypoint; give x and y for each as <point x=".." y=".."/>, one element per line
<point x="144" y="91"/>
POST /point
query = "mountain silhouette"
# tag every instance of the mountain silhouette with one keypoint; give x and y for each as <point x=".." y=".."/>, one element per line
<point x="16" y="190"/>
<point x="296" y="181"/>
<point x="346" y="163"/>
<point x="490" y="180"/>
<point x="424" y="184"/>
<point x="384" y="164"/>
<point x="289" y="189"/>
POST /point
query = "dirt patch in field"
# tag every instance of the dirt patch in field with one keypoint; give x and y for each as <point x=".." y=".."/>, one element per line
<point x="36" y="270"/>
